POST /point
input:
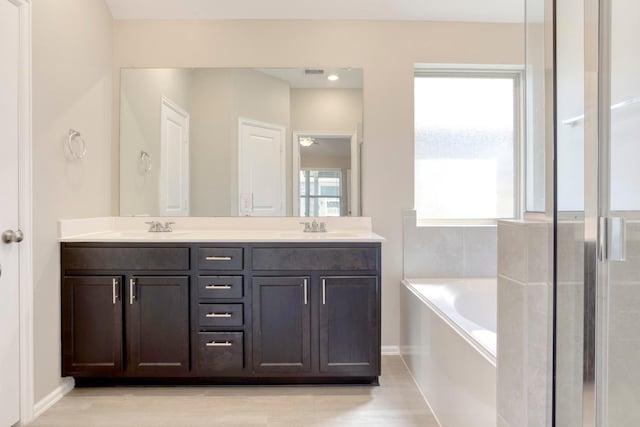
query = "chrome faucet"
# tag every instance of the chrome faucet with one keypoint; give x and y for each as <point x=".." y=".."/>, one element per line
<point x="157" y="227"/>
<point x="314" y="227"/>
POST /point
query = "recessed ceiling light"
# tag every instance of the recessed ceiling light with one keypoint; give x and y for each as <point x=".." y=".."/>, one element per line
<point x="332" y="77"/>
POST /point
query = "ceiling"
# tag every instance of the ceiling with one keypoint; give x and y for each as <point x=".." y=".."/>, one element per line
<point x="328" y="147"/>
<point x="414" y="10"/>
<point x="349" y="78"/>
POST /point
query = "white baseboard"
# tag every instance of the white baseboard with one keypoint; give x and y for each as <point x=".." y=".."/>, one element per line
<point x="49" y="400"/>
<point x="390" y="350"/>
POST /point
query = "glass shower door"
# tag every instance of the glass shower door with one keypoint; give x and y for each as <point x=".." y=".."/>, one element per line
<point x="619" y="390"/>
<point x="597" y="334"/>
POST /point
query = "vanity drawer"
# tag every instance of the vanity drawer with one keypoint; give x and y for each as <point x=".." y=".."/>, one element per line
<point x="220" y="351"/>
<point x="334" y="259"/>
<point x="220" y="258"/>
<point x="120" y="258"/>
<point x="213" y="287"/>
<point x="220" y="315"/>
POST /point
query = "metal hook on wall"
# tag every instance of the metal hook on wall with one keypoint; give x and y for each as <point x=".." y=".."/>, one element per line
<point x="76" y="145"/>
<point x="145" y="162"/>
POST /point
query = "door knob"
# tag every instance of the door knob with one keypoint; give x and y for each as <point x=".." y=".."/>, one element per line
<point x="11" y="236"/>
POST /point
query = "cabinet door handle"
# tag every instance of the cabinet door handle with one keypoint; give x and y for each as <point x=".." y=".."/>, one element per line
<point x="306" y="292"/>
<point x="324" y="291"/>
<point x="132" y="294"/>
<point x="219" y="344"/>
<point x="219" y="258"/>
<point x="218" y="287"/>
<point x="227" y="315"/>
<point x="114" y="284"/>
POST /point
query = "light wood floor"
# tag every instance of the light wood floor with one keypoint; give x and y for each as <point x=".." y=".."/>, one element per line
<point x="396" y="402"/>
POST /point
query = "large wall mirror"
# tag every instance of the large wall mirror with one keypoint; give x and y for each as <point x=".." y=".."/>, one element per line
<point x="240" y="141"/>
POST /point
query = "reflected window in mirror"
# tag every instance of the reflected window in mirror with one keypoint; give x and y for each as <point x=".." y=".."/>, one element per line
<point x="321" y="193"/>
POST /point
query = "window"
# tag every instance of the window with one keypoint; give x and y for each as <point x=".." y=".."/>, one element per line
<point x="466" y="139"/>
<point x="320" y="192"/>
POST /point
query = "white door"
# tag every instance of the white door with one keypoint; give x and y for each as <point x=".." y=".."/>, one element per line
<point x="262" y="180"/>
<point x="9" y="274"/>
<point x="174" y="160"/>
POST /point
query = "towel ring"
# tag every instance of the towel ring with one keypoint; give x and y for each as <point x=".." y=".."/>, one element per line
<point x="76" y="145"/>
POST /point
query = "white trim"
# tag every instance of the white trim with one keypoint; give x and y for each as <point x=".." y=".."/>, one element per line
<point x="390" y="350"/>
<point x="25" y="209"/>
<point x="52" y="398"/>
<point x="283" y="159"/>
<point x="186" y="165"/>
<point x="295" y="165"/>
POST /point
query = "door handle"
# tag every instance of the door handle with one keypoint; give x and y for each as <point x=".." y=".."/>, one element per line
<point x="616" y="239"/>
<point x="11" y="236"/>
<point x="306" y="291"/>
<point x="132" y="293"/>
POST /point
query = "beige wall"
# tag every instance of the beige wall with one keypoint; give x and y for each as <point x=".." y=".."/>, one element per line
<point x="211" y="130"/>
<point x="72" y="88"/>
<point x="140" y="130"/>
<point x="326" y="110"/>
<point x="387" y="52"/>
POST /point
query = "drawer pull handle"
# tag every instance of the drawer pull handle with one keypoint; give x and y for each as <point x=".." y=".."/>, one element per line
<point x="219" y="258"/>
<point x="218" y="287"/>
<point x="219" y="344"/>
<point x="219" y="315"/>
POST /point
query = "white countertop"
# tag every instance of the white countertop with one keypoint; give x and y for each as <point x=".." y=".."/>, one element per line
<point x="242" y="229"/>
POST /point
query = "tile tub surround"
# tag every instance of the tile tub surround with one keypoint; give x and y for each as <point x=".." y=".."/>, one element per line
<point x="455" y="372"/>
<point x="524" y="323"/>
<point x="448" y="250"/>
<point x="227" y="229"/>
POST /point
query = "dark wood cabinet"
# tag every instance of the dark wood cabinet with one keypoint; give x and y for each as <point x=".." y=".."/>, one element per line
<point x="148" y="316"/>
<point x="157" y="320"/>
<point x="281" y="324"/>
<point x="349" y="325"/>
<point x="92" y="325"/>
<point x="221" y="312"/>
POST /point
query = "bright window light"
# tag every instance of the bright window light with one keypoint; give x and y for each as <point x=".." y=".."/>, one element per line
<point x="465" y="140"/>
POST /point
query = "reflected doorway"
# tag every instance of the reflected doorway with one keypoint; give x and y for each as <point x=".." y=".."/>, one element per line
<point x="327" y="167"/>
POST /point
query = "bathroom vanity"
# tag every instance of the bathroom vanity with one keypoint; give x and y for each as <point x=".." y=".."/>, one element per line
<point x="268" y="306"/>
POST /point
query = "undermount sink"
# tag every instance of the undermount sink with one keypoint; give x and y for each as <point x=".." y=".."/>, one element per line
<point x="325" y="235"/>
<point x="146" y="234"/>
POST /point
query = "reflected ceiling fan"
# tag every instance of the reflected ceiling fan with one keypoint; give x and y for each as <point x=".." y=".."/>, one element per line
<point x="307" y="141"/>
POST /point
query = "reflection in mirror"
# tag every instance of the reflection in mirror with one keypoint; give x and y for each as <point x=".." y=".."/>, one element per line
<point x="326" y="174"/>
<point x="535" y="87"/>
<point x="220" y="142"/>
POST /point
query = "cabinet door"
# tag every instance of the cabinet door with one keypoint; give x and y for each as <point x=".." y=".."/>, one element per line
<point x="349" y="326"/>
<point x="91" y="326"/>
<point x="281" y="324"/>
<point x="158" y="325"/>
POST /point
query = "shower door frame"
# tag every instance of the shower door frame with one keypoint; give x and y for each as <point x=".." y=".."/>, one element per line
<point x="597" y="33"/>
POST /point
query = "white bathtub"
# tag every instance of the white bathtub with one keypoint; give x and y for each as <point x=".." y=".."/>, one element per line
<point x="448" y="341"/>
